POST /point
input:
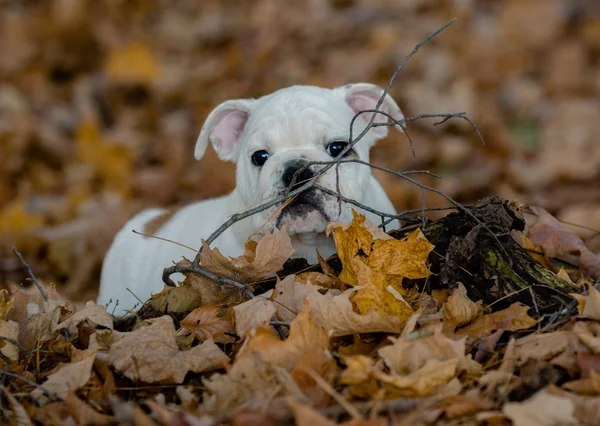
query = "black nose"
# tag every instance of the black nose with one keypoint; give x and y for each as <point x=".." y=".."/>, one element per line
<point x="291" y="168"/>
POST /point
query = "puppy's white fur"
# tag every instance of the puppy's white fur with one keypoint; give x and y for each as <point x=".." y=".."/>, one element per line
<point x="292" y="124"/>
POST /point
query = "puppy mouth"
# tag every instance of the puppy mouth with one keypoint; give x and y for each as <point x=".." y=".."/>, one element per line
<point x="301" y="208"/>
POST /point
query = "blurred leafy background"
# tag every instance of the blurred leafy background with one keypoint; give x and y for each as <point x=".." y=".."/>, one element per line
<point x="101" y="102"/>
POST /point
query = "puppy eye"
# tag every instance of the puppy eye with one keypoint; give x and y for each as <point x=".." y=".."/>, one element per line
<point x="335" y="148"/>
<point x="260" y="157"/>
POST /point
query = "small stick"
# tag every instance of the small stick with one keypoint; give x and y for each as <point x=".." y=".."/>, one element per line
<point x="31" y="383"/>
<point x="30" y="272"/>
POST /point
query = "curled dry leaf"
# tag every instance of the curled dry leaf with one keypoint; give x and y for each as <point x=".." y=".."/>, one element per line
<point x="93" y="314"/>
<point x="459" y="309"/>
<point x="379" y="265"/>
<point x="68" y="379"/>
<point x="261" y="366"/>
<point x="260" y="259"/>
<point x="42" y="321"/>
<point x="512" y="318"/>
<point x="209" y="322"/>
<point x="254" y="313"/>
<point x="84" y="414"/>
<point x="589" y="306"/>
<point x="427" y="380"/>
<point x="543" y="409"/>
<point x="544" y="346"/>
<point x="558" y="241"/>
<point x="9" y="329"/>
<point x="150" y="354"/>
<point x="332" y="311"/>
<point x="407" y="355"/>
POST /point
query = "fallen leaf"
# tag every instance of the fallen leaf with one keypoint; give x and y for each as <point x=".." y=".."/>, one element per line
<point x="407" y="355"/>
<point x="150" y="354"/>
<point x="333" y="312"/>
<point x="558" y="241"/>
<point x="543" y="409"/>
<point x="589" y="306"/>
<point x="260" y="259"/>
<point x="512" y="318"/>
<point x="84" y="414"/>
<point x="10" y="330"/>
<point x="254" y="313"/>
<point x="262" y="367"/>
<point x="544" y="346"/>
<point x="94" y="315"/>
<point x="209" y="322"/>
<point x="379" y="266"/>
<point x="459" y="309"/>
<point x="427" y="380"/>
<point x="68" y="379"/>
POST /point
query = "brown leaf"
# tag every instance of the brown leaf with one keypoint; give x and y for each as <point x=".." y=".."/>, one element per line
<point x="407" y="355"/>
<point x="84" y="414"/>
<point x="544" y="346"/>
<point x="558" y="241"/>
<point x="589" y="306"/>
<point x="459" y="309"/>
<point x="9" y="329"/>
<point x="427" y="380"/>
<point x="254" y="313"/>
<point x="93" y="314"/>
<point x="68" y="379"/>
<point x="260" y="260"/>
<point x="185" y="297"/>
<point x="333" y="312"/>
<point x="150" y="354"/>
<point x="273" y="249"/>
<point x="209" y="322"/>
<point x="512" y="318"/>
<point x="262" y="367"/>
<point x="543" y="409"/>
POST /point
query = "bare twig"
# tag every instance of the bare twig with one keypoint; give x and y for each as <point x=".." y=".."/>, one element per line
<point x="30" y="272"/>
<point x="31" y="383"/>
<point x="221" y="281"/>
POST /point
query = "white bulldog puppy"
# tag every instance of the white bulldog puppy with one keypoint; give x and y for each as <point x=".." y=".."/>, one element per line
<point x="269" y="139"/>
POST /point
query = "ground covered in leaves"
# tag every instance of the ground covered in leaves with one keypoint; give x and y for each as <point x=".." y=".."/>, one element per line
<point x="101" y="102"/>
<point x="372" y="336"/>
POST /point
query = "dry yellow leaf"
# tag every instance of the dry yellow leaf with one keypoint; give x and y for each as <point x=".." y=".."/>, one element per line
<point x="378" y="266"/>
<point x="459" y="309"/>
<point x="133" y="64"/>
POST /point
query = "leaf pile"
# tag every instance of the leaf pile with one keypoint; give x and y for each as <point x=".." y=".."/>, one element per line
<point x="372" y="338"/>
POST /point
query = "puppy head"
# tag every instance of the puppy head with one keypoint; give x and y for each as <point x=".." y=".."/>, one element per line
<point x="276" y="136"/>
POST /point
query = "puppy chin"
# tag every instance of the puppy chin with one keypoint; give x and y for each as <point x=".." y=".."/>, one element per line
<point x="302" y="219"/>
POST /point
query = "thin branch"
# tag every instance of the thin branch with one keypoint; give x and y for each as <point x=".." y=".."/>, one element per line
<point x="31" y="383"/>
<point x="14" y="342"/>
<point x="221" y="281"/>
<point x="30" y="272"/>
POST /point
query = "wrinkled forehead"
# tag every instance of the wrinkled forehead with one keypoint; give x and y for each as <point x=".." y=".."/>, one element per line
<point x="300" y="115"/>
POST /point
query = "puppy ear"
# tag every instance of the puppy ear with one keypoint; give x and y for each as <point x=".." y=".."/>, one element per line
<point x="223" y="128"/>
<point x="364" y="96"/>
